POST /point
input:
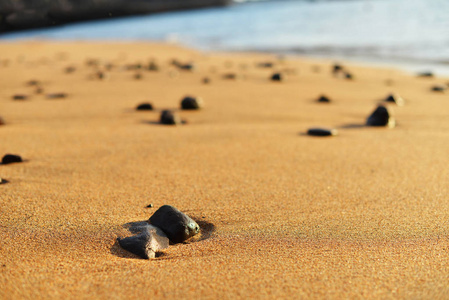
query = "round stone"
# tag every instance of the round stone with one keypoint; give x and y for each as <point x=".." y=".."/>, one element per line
<point x="144" y="106"/>
<point x="11" y="158"/>
<point x="381" y="117"/>
<point x="169" y="118"/>
<point x="191" y="103"/>
<point x="177" y="225"/>
<point x="277" y="77"/>
<point x="322" y="132"/>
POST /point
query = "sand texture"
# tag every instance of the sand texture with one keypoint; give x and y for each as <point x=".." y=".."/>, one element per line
<point x="364" y="214"/>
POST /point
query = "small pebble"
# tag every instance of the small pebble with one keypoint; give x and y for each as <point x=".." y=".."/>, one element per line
<point x="39" y="90"/>
<point x="150" y="205"/>
<point x="265" y="65"/>
<point x="137" y="76"/>
<point x="336" y="68"/>
<point x="11" y="158"/>
<point x="69" y="69"/>
<point x="152" y="66"/>
<point x="276" y="77"/>
<point x="145" y="106"/>
<point x="439" y="88"/>
<point x="425" y="74"/>
<point x="56" y="96"/>
<point x="348" y="76"/>
<point x="177" y="226"/>
<point x="322" y="132"/>
<point x="206" y="80"/>
<point x="230" y="76"/>
<point x="191" y="103"/>
<point x="394" y="98"/>
<point x="169" y="118"/>
<point x="33" y="83"/>
<point x="323" y="99"/>
<point x="381" y="117"/>
<point x="20" y="97"/>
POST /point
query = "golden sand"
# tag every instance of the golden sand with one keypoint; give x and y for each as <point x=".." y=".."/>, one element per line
<point x="364" y="214"/>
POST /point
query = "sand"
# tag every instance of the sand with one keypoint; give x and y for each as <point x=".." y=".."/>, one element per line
<point x="364" y="214"/>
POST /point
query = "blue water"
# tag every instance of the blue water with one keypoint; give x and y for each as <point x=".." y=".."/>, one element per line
<point x="412" y="33"/>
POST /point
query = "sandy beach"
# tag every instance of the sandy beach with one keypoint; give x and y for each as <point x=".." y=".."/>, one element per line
<point x="364" y="214"/>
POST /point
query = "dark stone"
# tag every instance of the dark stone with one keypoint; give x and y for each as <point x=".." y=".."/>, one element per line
<point x="169" y="118"/>
<point x="150" y="205"/>
<point x="393" y="98"/>
<point x="183" y="66"/>
<point x="191" y="103"/>
<point x="145" y="106"/>
<point x="20" y="97"/>
<point x="324" y="99"/>
<point x="336" y="68"/>
<point x="69" y="70"/>
<point x="206" y="80"/>
<point x="276" y="77"/>
<point x="425" y="74"/>
<point x="177" y="226"/>
<point x="230" y="76"/>
<point x="100" y="75"/>
<point x="11" y="158"/>
<point x="322" y="132"/>
<point x="265" y="65"/>
<point x="380" y="117"/>
<point x="146" y="243"/>
<point x="152" y="66"/>
<point x="439" y="88"/>
<point x="33" y="83"/>
<point x="348" y="76"/>
<point x="137" y="76"/>
<point x="56" y="96"/>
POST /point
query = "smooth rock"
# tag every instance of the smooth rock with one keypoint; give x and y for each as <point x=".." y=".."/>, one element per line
<point x="394" y="98"/>
<point x="177" y="226"/>
<point x="146" y="243"/>
<point x="56" y="96"/>
<point x="322" y="132"/>
<point x="144" y="106"/>
<point x="11" y="158"/>
<point x="276" y="77"/>
<point x="439" y="88"/>
<point x="20" y="97"/>
<point x="191" y="103"/>
<point x="169" y="118"/>
<point x="323" y="99"/>
<point x="381" y="117"/>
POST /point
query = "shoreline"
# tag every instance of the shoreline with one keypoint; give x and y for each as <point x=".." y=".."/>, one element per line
<point x="358" y="215"/>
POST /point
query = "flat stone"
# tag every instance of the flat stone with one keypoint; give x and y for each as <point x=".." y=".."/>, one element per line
<point x="144" y="106"/>
<point x="11" y="158"/>
<point x="56" y="96"/>
<point x="146" y="243"/>
<point x="19" y="97"/>
<point x="322" y="132"/>
<point x="169" y="118"/>
<point x="323" y="99"/>
<point x="439" y="88"/>
<point x="381" y="117"/>
<point x="394" y="98"/>
<point x="177" y="226"/>
<point x="276" y="77"/>
<point x="191" y="103"/>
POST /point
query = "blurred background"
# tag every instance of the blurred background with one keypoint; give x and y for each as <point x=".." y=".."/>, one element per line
<point x="412" y="34"/>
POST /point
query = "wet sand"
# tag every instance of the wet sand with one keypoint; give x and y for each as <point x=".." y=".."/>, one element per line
<point x="363" y="214"/>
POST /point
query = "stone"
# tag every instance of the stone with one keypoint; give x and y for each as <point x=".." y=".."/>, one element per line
<point x="322" y="132"/>
<point x="336" y="68"/>
<point x="394" y="98"/>
<point x="191" y="103"/>
<point x="33" y="82"/>
<point x="348" y="76"/>
<point x="230" y="76"/>
<point x="206" y="80"/>
<point x="425" y="74"/>
<point x="144" y="106"/>
<point x="19" y="97"/>
<point x="169" y="118"/>
<point x="56" y="96"/>
<point x="69" y="69"/>
<point x="276" y="77"/>
<point x="11" y="158"/>
<point x="152" y="66"/>
<point x="381" y="117"/>
<point x="265" y="65"/>
<point x="323" y="99"/>
<point x="439" y="88"/>
<point x="146" y="243"/>
<point x="150" y="205"/>
<point x="177" y="226"/>
<point x="2" y="122"/>
<point x="137" y="76"/>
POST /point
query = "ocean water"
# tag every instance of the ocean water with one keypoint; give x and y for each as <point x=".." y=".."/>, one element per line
<point x="413" y="34"/>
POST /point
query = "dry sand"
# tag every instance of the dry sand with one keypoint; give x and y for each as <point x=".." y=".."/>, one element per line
<point x="284" y="215"/>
